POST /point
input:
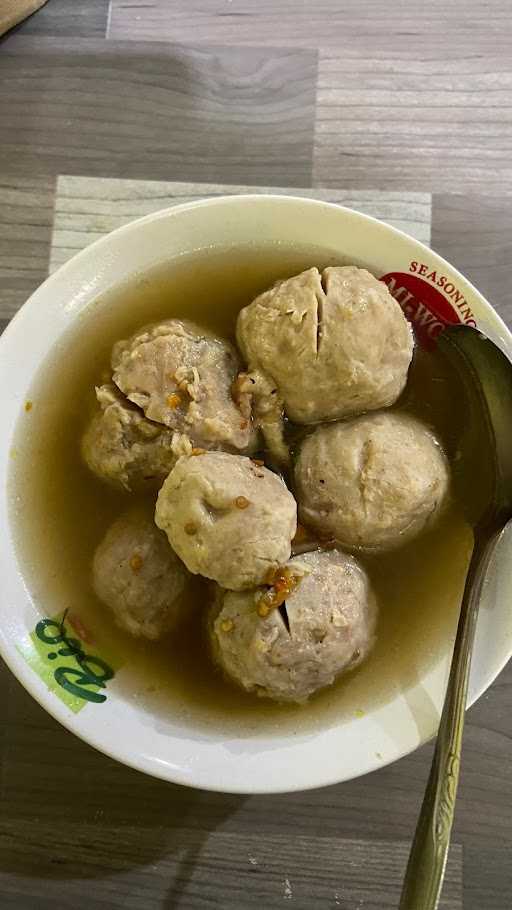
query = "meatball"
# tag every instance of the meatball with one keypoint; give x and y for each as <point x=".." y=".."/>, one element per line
<point x="326" y="626"/>
<point x="371" y="482"/>
<point x="334" y="344"/>
<point x="227" y="517"/>
<point x="124" y="448"/>
<point x="137" y="575"/>
<point x="182" y="378"/>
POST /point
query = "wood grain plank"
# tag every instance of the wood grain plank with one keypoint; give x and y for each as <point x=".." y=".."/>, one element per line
<point x="77" y="18"/>
<point x="410" y="26"/>
<point x="151" y="110"/>
<point x="475" y="234"/>
<point x="431" y="124"/>
<point x="5" y="690"/>
<point x="413" y="98"/>
<point x="198" y="869"/>
<point x="26" y="216"/>
<point x="88" y="208"/>
<point x="490" y="884"/>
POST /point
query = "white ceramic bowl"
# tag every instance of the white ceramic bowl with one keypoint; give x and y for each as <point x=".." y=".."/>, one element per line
<point x="276" y="761"/>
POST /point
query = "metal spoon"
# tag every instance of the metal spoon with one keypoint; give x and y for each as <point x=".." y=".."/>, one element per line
<point x="486" y="446"/>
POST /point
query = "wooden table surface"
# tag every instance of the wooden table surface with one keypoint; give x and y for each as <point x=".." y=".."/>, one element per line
<point x="401" y="108"/>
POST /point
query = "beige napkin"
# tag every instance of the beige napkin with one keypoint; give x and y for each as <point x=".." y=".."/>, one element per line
<point x="13" y="11"/>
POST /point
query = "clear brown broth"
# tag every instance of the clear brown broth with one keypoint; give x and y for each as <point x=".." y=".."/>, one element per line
<point x="61" y="510"/>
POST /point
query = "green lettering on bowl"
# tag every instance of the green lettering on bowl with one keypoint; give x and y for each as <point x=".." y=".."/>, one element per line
<point x="66" y="665"/>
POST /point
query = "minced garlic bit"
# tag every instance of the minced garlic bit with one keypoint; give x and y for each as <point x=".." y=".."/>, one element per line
<point x="300" y="534"/>
<point x="269" y="577"/>
<point x="197" y="451"/>
<point x="173" y="400"/>
<point x="237" y="386"/>
<point x="241" y="502"/>
<point x="76" y="623"/>
<point x="28" y="406"/>
<point x="263" y="608"/>
<point x="190" y="528"/>
<point x="227" y="625"/>
<point x="282" y="582"/>
<point x="136" y="563"/>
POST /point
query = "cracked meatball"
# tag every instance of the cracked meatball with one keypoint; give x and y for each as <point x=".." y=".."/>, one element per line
<point x="333" y="345"/>
<point x="326" y="626"/>
<point x="124" y="448"/>
<point x="372" y="482"/>
<point x="137" y="575"/>
<point x="227" y="517"/>
<point x="182" y="378"/>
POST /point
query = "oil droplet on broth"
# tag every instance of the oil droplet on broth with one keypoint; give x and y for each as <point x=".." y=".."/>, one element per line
<point x="418" y="587"/>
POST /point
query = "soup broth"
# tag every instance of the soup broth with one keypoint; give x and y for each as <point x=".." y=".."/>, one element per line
<point x="62" y="510"/>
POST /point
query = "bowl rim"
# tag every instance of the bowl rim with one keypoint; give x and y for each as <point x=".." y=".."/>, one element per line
<point x="13" y="658"/>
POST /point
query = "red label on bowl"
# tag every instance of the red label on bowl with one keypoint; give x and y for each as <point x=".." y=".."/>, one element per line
<point x="427" y="308"/>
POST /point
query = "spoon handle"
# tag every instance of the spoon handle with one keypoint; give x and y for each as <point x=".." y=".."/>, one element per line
<point x="427" y="859"/>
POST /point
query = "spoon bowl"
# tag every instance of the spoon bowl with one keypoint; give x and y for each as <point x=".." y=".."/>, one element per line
<point x="485" y="374"/>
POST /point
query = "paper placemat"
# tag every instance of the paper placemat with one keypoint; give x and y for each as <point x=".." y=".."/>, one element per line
<point x="86" y="208"/>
